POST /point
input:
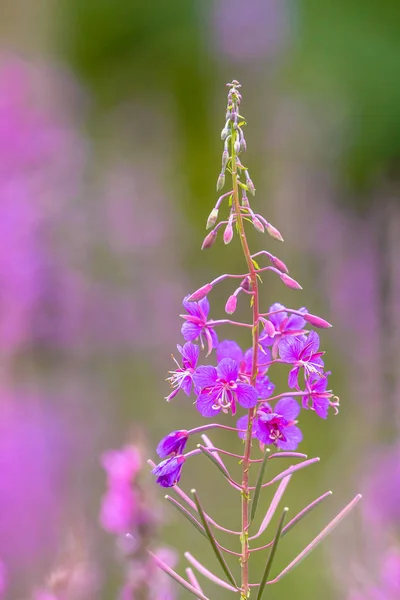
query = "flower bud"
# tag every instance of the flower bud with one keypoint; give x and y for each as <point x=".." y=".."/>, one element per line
<point x="209" y="240"/>
<point x="231" y="304"/>
<point x="212" y="218"/>
<point x="251" y="187"/>
<point x="316" y="321"/>
<point x="200" y="293"/>
<point x="243" y="144"/>
<point x="220" y="182"/>
<point x="228" y="233"/>
<point x="225" y="158"/>
<point x="257" y="224"/>
<point x="290" y="282"/>
<point x="236" y="147"/>
<point x="279" y="264"/>
<point x="245" y="200"/>
<point x="273" y="232"/>
<point x="246" y="284"/>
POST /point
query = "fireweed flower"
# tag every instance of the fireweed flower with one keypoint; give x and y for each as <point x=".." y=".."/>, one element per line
<point x="196" y="324"/>
<point x="242" y="378"/>
<point x="231" y="349"/>
<point x="276" y="426"/>
<point x="182" y="377"/>
<point x="220" y="389"/>
<point x="168" y="472"/>
<point x="284" y="324"/>
<point x="303" y="354"/>
<point x="173" y="443"/>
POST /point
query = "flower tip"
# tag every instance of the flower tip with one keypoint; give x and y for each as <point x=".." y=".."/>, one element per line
<point x="273" y="232"/>
<point x="316" y="321"/>
<point x="230" y="306"/>
<point x="290" y="282"/>
<point x="209" y="240"/>
<point x="212" y="218"/>
<point x="200" y="293"/>
<point x="220" y="182"/>
<point x="193" y="491"/>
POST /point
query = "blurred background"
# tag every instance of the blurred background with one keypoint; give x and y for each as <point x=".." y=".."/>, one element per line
<point x="110" y="120"/>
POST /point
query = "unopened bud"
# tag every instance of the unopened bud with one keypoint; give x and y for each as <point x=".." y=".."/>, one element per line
<point x="279" y="264"/>
<point x="224" y="133"/>
<point x="243" y="144"/>
<point x="200" y="293"/>
<point x="316" y="321"/>
<point x="245" y="200"/>
<point x="251" y="187"/>
<point x="209" y="240"/>
<point x="220" y="182"/>
<point x="257" y="224"/>
<point x="212" y="218"/>
<point x="273" y="232"/>
<point x="228" y="233"/>
<point x="290" y="282"/>
<point x="231" y="304"/>
<point x="225" y="158"/>
<point x="236" y="147"/>
<point x="246" y="284"/>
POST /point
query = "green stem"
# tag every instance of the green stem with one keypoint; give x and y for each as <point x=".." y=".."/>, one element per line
<point x="255" y="334"/>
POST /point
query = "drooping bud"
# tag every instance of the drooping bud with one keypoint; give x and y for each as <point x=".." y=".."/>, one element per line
<point x="257" y="224"/>
<point x="220" y="182"/>
<point x="228" y="233"/>
<point x="246" y="284"/>
<point x="212" y="218"/>
<point x="236" y="147"/>
<point x="224" y="133"/>
<point x="200" y="293"/>
<point x="279" y="264"/>
<point x="273" y="232"/>
<point x="209" y="240"/>
<point x="245" y="200"/>
<point x="225" y="158"/>
<point x="251" y="187"/>
<point x="290" y="282"/>
<point x="316" y="321"/>
<point x="231" y="304"/>
<point x="243" y="144"/>
<point x="173" y="443"/>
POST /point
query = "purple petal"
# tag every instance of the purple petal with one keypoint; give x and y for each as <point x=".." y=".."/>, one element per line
<point x="205" y="376"/>
<point x="229" y="349"/>
<point x="277" y="319"/>
<point x="192" y="308"/>
<point x="293" y="379"/>
<point x="312" y="343"/>
<point x="204" y="306"/>
<point x="174" y="442"/>
<point x="321" y="406"/>
<point x="263" y="356"/>
<point x="288" y="408"/>
<point x="205" y="403"/>
<point x="319" y="384"/>
<point x="190" y="352"/>
<point x="228" y="369"/>
<point x="295" y="322"/>
<point x="290" y="349"/>
<point x="190" y="331"/>
<point x="246" y="395"/>
<point x="264" y="387"/>
<point x="214" y="337"/>
<point x="186" y="385"/>
<point x="293" y="437"/>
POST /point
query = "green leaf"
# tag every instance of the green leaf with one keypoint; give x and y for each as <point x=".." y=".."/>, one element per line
<point x="214" y="460"/>
<point x="272" y="553"/>
<point x="255" y="263"/>
<point x="259" y="482"/>
<point x="186" y="514"/>
<point x="212" y="541"/>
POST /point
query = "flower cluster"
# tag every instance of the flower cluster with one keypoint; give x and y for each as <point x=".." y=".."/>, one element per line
<point x="226" y="380"/>
<point x="126" y="512"/>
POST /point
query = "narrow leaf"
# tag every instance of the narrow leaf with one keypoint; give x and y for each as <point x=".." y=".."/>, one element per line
<point x="212" y="540"/>
<point x="219" y="466"/>
<point x="271" y="555"/>
<point x="164" y="567"/>
<point x="202" y="569"/>
<point x="260" y="478"/>
<point x="273" y="506"/>
<point x="209" y="444"/>
<point x="319" y="538"/>
<point x="186" y="514"/>
<point x="305" y="512"/>
<point x="193" y="579"/>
